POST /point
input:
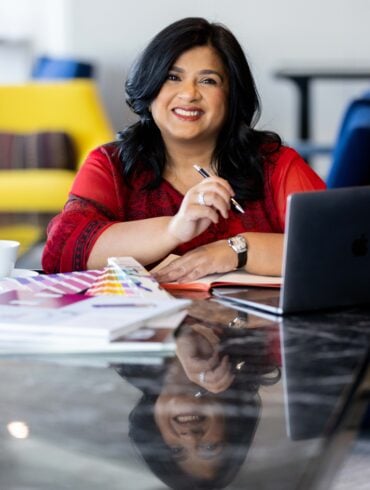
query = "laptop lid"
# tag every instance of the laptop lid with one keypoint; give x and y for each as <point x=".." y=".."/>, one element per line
<point x="326" y="261"/>
<point x="326" y="258"/>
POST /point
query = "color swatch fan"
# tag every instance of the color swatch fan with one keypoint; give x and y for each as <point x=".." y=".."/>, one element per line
<point x="127" y="277"/>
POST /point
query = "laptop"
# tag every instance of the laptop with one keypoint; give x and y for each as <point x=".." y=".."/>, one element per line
<point x="326" y="260"/>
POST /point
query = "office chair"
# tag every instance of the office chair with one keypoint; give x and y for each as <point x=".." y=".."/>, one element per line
<point x="46" y="67"/>
<point x="351" y="157"/>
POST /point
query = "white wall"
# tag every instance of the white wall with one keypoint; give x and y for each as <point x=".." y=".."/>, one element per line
<point x="274" y="33"/>
<point x="29" y="27"/>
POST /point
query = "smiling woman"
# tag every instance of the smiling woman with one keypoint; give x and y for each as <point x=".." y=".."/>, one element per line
<point x="192" y="103"/>
<point x="140" y="196"/>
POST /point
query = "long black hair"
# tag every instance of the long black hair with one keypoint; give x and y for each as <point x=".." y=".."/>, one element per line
<point x="241" y="151"/>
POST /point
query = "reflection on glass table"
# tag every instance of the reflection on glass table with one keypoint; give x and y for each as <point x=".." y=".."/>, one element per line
<point x="196" y="420"/>
<point x="244" y="402"/>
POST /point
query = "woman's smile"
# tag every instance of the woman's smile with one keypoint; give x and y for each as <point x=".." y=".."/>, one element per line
<point x="185" y="419"/>
<point x="188" y="114"/>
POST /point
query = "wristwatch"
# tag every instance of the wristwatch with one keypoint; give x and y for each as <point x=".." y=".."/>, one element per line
<point x="239" y="244"/>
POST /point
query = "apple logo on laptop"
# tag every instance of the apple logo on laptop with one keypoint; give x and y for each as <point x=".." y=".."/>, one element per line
<point x="359" y="246"/>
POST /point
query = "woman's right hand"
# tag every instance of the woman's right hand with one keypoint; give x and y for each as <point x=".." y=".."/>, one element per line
<point x="197" y="351"/>
<point x="194" y="217"/>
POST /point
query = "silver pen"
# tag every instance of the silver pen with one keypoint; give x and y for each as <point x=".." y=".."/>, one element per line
<point x="205" y="175"/>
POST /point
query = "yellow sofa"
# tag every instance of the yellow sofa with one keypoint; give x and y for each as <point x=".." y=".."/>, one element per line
<point x="28" y="197"/>
<point x="73" y="107"/>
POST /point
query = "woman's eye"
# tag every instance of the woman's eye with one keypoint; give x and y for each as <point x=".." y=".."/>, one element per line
<point x="172" y="77"/>
<point x="177" y="452"/>
<point x="209" y="81"/>
<point x="209" y="450"/>
<point x="176" y="449"/>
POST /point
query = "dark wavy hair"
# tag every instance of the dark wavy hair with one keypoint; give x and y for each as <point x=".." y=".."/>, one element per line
<point x="241" y="151"/>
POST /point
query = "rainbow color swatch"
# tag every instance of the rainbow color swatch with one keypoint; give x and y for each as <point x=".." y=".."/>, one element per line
<point x="113" y="281"/>
<point x="127" y="277"/>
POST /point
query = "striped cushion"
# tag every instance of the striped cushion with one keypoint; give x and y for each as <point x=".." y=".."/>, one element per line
<point x="37" y="150"/>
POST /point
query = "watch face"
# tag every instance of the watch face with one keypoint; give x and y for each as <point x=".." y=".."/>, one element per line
<point x="238" y="243"/>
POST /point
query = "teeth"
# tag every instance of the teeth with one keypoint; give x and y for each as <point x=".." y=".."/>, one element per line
<point x="184" y="112"/>
<point x="188" y="418"/>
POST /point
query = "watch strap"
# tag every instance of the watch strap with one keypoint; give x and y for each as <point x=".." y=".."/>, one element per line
<point x="242" y="259"/>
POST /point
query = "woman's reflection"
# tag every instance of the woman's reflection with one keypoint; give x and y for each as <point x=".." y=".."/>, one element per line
<point x="198" y="349"/>
<point x="194" y="431"/>
<point x="198" y="414"/>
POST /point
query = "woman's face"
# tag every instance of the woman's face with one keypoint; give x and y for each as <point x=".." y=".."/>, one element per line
<point x="192" y="103"/>
<point x="194" y="430"/>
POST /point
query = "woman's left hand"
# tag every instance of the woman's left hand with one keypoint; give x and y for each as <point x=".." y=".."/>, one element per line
<point x="216" y="257"/>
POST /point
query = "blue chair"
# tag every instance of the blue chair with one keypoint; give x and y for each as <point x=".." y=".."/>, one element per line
<point x="351" y="157"/>
<point x="50" y="68"/>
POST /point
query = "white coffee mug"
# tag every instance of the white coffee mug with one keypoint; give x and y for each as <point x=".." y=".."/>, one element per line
<point x="8" y="256"/>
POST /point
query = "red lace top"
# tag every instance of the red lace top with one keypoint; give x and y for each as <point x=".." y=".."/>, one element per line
<point x="100" y="197"/>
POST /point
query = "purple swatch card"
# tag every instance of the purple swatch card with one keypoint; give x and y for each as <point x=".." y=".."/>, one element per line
<point x="39" y="300"/>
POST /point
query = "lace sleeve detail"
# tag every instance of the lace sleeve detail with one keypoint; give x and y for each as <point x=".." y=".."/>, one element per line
<point x="73" y="233"/>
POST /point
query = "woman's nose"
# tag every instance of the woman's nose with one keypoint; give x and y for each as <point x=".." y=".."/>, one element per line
<point x="189" y="91"/>
<point x="191" y="434"/>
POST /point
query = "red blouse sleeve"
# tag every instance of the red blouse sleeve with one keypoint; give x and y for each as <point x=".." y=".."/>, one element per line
<point x="100" y="181"/>
<point x="291" y="174"/>
<point x="93" y="205"/>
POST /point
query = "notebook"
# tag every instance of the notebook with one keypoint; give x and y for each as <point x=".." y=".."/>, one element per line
<point x="326" y="262"/>
<point x="206" y="283"/>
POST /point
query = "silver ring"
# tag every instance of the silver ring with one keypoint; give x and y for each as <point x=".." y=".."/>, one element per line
<point x="240" y="365"/>
<point x="202" y="377"/>
<point x="201" y="200"/>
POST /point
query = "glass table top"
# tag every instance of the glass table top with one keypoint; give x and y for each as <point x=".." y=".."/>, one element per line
<point x="238" y="401"/>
